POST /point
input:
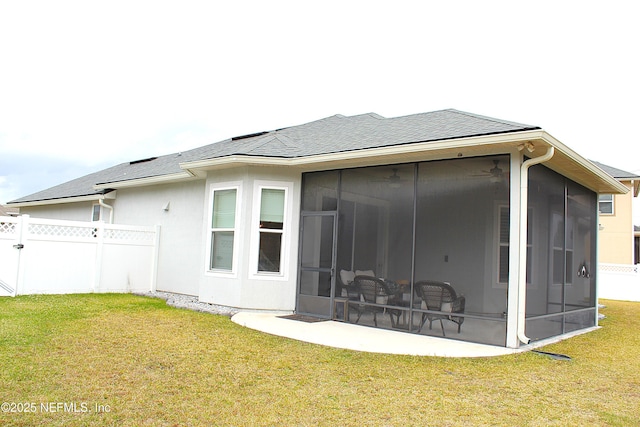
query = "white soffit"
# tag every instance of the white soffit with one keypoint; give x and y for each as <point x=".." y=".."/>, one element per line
<point x="566" y="161"/>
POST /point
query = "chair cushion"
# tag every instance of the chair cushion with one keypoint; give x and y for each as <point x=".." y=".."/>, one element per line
<point x="446" y="306"/>
<point x="347" y="276"/>
<point x="382" y="299"/>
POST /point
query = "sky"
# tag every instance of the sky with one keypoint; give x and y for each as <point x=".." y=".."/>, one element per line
<point x="86" y="85"/>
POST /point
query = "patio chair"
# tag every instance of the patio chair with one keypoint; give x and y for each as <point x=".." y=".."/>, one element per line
<point x="346" y="287"/>
<point x="375" y="291"/>
<point x="441" y="298"/>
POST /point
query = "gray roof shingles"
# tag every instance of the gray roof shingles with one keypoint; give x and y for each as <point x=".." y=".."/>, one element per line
<point x="615" y="172"/>
<point x="333" y="134"/>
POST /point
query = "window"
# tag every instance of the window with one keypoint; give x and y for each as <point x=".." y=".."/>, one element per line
<point x="562" y="270"/>
<point x="605" y="204"/>
<point x="272" y="202"/>
<point x="503" y="246"/>
<point x="271" y="227"/>
<point x="223" y="229"/>
<point x="95" y="214"/>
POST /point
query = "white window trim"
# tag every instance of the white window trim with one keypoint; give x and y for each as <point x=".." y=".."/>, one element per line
<point x="613" y="204"/>
<point x="568" y="224"/>
<point x="498" y="244"/>
<point x="233" y="273"/>
<point x="496" y="283"/>
<point x="285" y="258"/>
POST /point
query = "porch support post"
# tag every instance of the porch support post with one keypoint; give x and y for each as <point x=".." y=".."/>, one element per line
<point x="516" y="160"/>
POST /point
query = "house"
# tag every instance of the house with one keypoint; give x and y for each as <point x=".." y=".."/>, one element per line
<point x="502" y="212"/>
<point x="616" y="233"/>
<point x="8" y="211"/>
<point x="636" y="244"/>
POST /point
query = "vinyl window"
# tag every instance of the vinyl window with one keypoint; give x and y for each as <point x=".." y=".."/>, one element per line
<point x="271" y="229"/>
<point x="605" y="204"/>
<point x="223" y="229"/>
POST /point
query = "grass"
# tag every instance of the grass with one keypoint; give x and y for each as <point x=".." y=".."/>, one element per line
<point x="124" y="360"/>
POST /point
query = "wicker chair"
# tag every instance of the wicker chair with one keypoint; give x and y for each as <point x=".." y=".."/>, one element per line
<point x="441" y="298"/>
<point x="346" y="288"/>
<point x="375" y="291"/>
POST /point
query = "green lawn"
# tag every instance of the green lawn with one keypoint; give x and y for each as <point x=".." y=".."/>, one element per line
<point x="125" y="360"/>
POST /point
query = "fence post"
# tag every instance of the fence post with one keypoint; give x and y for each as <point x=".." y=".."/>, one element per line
<point x="154" y="260"/>
<point x="23" y="237"/>
<point x="99" y="235"/>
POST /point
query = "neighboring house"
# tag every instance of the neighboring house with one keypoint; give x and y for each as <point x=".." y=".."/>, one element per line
<point x="636" y="244"/>
<point x="8" y="211"/>
<point x="616" y="245"/>
<point x="502" y="211"/>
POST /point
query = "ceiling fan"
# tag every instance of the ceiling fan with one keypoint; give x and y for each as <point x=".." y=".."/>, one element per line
<point x="394" y="180"/>
<point x="495" y="173"/>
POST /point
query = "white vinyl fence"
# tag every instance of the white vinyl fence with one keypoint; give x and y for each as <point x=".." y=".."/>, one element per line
<point x="619" y="282"/>
<point x="42" y="256"/>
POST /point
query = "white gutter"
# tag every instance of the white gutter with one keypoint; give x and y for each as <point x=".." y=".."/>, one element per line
<point x="104" y="205"/>
<point x="152" y="180"/>
<point x="73" y="199"/>
<point x="522" y="264"/>
<point x="449" y="145"/>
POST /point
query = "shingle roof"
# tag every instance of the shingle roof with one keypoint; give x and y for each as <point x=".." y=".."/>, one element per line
<point x="615" y="172"/>
<point x="338" y="133"/>
<point x="333" y="134"/>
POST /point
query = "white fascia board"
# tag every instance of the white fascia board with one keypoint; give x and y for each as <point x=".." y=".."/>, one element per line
<point x="409" y="148"/>
<point x="152" y="180"/>
<point x="586" y="164"/>
<point x="227" y="161"/>
<point x="499" y="142"/>
<point x="92" y="198"/>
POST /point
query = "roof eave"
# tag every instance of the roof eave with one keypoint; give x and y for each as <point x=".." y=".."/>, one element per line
<point x="110" y="195"/>
<point x="151" y="180"/>
<point x="455" y="147"/>
<point x="566" y="161"/>
<point x="572" y="165"/>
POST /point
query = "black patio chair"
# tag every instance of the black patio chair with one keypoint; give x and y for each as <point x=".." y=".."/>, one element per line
<point x="374" y="294"/>
<point x="442" y="302"/>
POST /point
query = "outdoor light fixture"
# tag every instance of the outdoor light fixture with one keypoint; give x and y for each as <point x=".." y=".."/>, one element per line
<point x="528" y="145"/>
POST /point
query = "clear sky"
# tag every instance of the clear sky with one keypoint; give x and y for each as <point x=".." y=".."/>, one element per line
<point x="85" y="85"/>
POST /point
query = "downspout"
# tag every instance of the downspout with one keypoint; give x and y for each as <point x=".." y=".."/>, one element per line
<point x="524" y="213"/>
<point x="104" y="205"/>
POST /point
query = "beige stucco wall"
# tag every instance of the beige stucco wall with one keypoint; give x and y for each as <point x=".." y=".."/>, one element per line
<point x="616" y="231"/>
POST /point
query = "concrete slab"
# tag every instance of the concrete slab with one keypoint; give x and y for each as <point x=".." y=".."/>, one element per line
<point x="368" y="339"/>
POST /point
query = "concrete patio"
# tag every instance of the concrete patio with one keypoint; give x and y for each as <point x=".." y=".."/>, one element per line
<point x="368" y="339"/>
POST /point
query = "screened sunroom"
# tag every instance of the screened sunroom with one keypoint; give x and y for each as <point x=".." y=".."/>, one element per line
<point x="426" y="247"/>
<point x="445" y="223"/>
